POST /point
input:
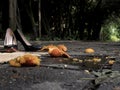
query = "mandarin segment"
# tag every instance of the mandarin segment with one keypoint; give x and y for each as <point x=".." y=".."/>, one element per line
<point x="89" y="50"/>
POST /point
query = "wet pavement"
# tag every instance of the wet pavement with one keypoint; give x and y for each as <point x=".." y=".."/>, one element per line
<point x="67" y="74"/>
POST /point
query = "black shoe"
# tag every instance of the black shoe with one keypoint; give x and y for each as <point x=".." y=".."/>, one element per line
<point x="10" y="40"/>
<point x="27" y="46"/>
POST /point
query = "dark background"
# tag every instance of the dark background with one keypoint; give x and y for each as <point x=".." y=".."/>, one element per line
<point x="63" y="19"/>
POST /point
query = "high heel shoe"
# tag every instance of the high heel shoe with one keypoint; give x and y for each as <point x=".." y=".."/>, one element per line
<point x="26" y="44"/>
<point x="10" y="43"/>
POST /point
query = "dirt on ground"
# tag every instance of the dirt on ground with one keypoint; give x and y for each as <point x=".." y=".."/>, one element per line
<point x="83" y="71"/>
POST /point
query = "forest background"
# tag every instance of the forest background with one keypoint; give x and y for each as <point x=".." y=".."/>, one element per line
<point x="62" y="19"/>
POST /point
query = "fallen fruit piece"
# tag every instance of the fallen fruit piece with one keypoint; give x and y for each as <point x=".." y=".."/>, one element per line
<point x="62" y="47"/>
<point x="87" y="71"/>
<point x="89" y="50"/>
<point x="14" y="63"/>
<point x="25" y="60"/>
<point x="55" y="52"/>
<point x="46" y="48"/>
<point x="96" y="60"/>
<point x="75" y="59"/>
<point x="111" y="62"/>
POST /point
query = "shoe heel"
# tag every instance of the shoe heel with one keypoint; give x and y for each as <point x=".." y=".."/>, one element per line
<point x="26" y="44"/>
<point x="10" y="39"/>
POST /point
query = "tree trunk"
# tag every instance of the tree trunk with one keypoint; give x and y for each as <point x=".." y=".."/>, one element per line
<point x="12" y="14"/>
<point x="39" y="12"/>
<point x="32" y="20"/>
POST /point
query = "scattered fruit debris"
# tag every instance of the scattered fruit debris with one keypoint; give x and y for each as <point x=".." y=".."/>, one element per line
<point x="25" y="60"/>
<point x="89" y="50"/>
<point x="56" y="50"/>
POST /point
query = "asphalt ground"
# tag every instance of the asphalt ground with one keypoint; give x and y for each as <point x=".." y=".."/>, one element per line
<point x="55" y="74"/>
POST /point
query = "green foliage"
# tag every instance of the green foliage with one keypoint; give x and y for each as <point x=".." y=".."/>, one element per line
<point x="110" y="30"/>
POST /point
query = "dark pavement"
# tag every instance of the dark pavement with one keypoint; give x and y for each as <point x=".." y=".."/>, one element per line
<point x="56" y="75"/>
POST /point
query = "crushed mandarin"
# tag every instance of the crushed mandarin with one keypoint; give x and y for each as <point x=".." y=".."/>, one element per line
<point x="56" y="50"/>
<point x="62" y="47"/>
<point x="25" y="60"/>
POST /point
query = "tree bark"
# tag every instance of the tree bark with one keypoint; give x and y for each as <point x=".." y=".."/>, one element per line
<point x="32" y="20"/>
<point x="39" y="12"/>
<point x="12" y="14"/>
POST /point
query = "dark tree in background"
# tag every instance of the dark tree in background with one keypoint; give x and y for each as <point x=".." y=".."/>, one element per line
<point x="12" y="14"/>
<point x="5" y="14"/>
<point x="76" y="19"/>
<point x="22" y="14"/>
<point x="56" y="20"/>
<point x="29" y="16"/>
